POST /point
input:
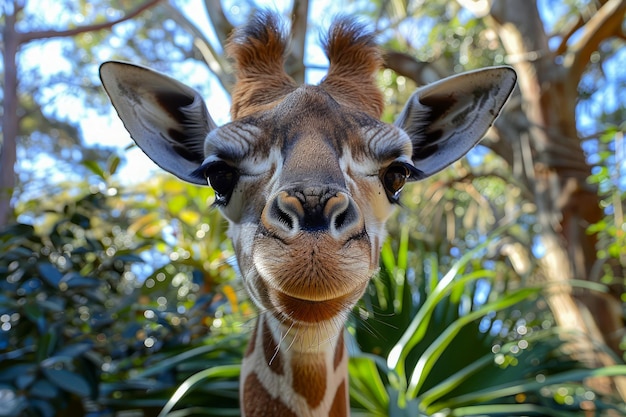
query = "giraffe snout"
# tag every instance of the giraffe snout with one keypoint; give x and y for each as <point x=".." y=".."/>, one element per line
<point x="313" y="211"/>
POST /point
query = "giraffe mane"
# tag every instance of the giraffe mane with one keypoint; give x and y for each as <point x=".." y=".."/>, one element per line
<point x="354" y="61"/>
<point x="258" y="49"/>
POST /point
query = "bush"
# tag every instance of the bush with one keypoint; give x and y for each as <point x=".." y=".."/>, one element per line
<point x="87" y="325"/>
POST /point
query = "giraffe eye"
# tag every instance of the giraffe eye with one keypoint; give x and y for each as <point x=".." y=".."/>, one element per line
<point x="393" y="178"/>
<point x="223" y="179"/>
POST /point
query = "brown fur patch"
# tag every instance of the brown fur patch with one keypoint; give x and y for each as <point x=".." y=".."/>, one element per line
<point x="309" y="378"/>
<point x="272" y="357"/>
<point x="340" y="406"/>
<point x="257" y="402"/>
<point x="339" y="351"/>
<point x="258" y="49"/>
<point x="354" y="61"/>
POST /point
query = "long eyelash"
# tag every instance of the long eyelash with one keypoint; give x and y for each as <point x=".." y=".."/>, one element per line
<point x="217" y="203"/>
<point x="416" y="174"/>
<point x="199" y="173"/>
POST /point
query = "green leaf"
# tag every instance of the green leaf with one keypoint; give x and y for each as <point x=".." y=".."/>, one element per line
<point x="95" y="168"/>
<point x="112" y="164"/>
<point x="68" y="381"/>
<point x="74" y="350"/>
<point x="516" y="387"/>
<point x="435" y="350"/>
<point x="508" y="410"/>
<point x="453" y="381"/>
<point x="76" y="280"/>
<point x="173" y="361"/>
<point x="417" y="329"/>
<point x="127" y="256"/>
<point x="226" y="371"/>
<point x="50" y="273"/>
<point x="176" y="203"/>
<point x="418" y="326"/>
<point x="15" y="233"/>
<point x="47" y="344"/>
<point x="80" y="220"/>
<point x="12" y="372"/>
<point x="206" y="411"/>
<point x="366" y="387"/>
<point x="23" y="381"/>
<point x="17" y="353"/>
<point x="44" y="389"/>
<point x="35" y="314"/>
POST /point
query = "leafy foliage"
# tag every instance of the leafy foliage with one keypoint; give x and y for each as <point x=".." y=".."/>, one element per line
<point x="469" y="344"/>
<point x="88" y="323"/>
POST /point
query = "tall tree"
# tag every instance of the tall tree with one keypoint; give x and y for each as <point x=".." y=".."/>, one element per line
<point x="558" y="170"/>
<point x="14" y="38"/>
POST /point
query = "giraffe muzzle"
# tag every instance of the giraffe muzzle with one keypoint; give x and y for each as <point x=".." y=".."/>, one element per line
<point x="312" y="210"/>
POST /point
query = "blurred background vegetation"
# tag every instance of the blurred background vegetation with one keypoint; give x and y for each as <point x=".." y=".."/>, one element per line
<point x="501" y="289"/>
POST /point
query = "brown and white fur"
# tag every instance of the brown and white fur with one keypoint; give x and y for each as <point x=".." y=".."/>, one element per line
<point x="307" y="176"/>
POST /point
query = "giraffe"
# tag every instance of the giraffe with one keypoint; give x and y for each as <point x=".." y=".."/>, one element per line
<point x="307" y="176"/>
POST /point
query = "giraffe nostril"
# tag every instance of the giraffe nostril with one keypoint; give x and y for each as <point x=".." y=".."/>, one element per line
<point x="345" y="218"/>
<point x="342" y="213"/>
<point x="282" y="216"/>
<point x="283" y="213"/>
<point x="340" y="219"/>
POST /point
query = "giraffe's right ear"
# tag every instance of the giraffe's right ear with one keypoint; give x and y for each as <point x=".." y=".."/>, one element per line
<point x="167" y="119"/>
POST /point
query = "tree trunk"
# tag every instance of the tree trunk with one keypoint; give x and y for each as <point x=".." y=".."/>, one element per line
<point x="295" y="61"/>
<point x="555" y="171"/>
<point x="10" y="121"/>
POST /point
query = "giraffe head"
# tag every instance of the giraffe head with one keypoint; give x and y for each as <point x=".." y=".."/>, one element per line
<point x="306" y="175"/>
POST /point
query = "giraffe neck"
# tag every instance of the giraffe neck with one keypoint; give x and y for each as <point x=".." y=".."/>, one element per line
<point x="295" y="372"/>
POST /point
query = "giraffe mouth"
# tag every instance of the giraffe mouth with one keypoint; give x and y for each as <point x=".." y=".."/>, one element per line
<point x="302" y="310"/>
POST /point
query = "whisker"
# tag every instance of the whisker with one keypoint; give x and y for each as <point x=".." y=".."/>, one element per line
<point x="293" y="339"/>
<point x="280" y="342"/>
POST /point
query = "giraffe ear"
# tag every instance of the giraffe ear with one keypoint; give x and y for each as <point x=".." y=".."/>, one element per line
<point x="448" y="118"/>
<point x="167" y="119"/>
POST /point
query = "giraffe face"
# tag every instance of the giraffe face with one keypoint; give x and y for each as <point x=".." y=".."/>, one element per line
<point x="307" y="188"/>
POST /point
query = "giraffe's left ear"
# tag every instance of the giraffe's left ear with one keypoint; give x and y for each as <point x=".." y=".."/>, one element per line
<point x="448" y="118"/>
<point x="167" y="119"/>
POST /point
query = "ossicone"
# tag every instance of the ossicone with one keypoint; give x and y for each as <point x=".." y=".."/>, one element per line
<point x="258" y="50"/>
<point x="355" y="59"/>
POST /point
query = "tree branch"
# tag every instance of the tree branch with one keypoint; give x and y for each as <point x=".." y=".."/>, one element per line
<point x="404" y="64"/>
<point x="47" y="34"/>
<point x="607" y="22"/>
<point x="218" y="19"/>
<point x="217" y="65"/>
<point x="567" y="33"/>
<point x="570" y="29"/>
<point x="295" y="61"/>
